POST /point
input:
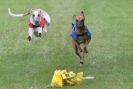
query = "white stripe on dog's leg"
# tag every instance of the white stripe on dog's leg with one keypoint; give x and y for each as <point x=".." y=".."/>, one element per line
<point x="39" y="30"/>
<point x="45" y="29"/>
<point x="30" y="32"/>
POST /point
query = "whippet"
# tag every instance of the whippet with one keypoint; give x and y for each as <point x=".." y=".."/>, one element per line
<point x="39" y="20"/>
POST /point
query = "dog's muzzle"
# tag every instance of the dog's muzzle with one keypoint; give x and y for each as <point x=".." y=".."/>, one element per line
<point x="79" y="25"/>
<point x="37" y="22"/>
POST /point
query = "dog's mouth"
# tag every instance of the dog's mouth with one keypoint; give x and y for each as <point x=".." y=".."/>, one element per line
<point x="80" y="26"/>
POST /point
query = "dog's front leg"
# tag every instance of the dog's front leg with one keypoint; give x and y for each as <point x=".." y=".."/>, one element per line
<point x="76" y="49"/>
<point x="30" y="33"/>
<point x="39" y="30"/>
<point x="78" y="45"/>
<point x="86" y="42"/>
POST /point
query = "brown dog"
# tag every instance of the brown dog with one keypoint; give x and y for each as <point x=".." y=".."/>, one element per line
<point x="81" y="36"/>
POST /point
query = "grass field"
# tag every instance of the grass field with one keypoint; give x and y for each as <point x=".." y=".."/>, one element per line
<point x="26" y="65"/>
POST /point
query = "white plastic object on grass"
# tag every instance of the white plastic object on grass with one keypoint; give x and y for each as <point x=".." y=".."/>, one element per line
<point x="88" y="77"/>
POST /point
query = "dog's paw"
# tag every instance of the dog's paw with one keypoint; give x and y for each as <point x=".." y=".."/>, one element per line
<point x="29" y="38"/>
<point x="45" y="34"/>
<point x="85" y="50"/>
<point x="81" y="63"/>
<point x="39" y="34"/>
<point x="80" y="50"/>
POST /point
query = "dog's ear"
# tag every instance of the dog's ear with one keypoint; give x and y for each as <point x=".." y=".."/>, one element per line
<point x="82" y="13"/>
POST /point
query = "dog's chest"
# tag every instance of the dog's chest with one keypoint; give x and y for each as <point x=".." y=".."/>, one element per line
<point x="80" y="39"/>
<point x="79" y="32"/>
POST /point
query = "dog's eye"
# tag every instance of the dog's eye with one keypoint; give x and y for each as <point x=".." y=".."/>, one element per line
<point x="82" y="20"/>
<point x="38" y="15"/>
<point x="33" y="15"/>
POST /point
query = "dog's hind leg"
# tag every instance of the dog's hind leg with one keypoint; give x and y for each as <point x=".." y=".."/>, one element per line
<point x="45" y="30"/>
<point x="87" y="41"/>
<point x="85" y="50"/>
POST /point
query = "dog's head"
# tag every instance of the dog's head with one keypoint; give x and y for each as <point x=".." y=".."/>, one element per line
<point x="80" y="19"/>
<point x="36" y="16"/>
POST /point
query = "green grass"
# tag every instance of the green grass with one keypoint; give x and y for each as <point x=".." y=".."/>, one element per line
<point x="110" y="60"/>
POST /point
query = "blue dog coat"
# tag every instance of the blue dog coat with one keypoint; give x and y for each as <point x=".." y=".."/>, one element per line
<point x="75" y="36"/>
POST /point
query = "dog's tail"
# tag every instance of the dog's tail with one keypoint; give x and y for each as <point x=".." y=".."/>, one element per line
<point x="16" y="15"/>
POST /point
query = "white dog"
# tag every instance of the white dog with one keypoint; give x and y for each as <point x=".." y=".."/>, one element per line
<point x="38" y="21"/>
